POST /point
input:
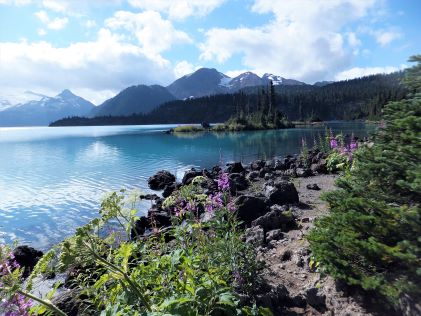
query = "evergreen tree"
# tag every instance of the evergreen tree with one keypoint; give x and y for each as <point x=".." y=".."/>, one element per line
<point x="372" y="236"/>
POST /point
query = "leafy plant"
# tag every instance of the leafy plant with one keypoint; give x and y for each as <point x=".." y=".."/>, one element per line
<point x="371" y="237"/>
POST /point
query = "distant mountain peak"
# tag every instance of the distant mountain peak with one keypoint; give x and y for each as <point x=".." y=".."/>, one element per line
<point x="66" y="93"/>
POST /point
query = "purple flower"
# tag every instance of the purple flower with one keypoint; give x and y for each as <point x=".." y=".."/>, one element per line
<point x="223" y="182"/>
<point x="353" y="145"/>
<point x="333" y="143"/>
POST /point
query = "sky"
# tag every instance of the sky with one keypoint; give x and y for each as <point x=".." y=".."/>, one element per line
<point x="96" y="48"/>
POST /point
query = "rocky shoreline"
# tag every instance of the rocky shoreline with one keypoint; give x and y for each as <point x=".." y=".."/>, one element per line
<point x="277" y="201"/>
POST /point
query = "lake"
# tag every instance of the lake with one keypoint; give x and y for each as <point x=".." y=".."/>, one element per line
<point x="53" y="179"/>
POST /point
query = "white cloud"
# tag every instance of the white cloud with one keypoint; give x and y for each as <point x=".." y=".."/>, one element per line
<point x="90" y="24"/>
<point x="154" y="34"/>
<point x="56" y="5"/>
<point x="179" y="9"/>
<point x="52" y="24"/>
<point x="101" y="67"/>
<point x="305" y="40"/>
<point x="384" y="38"/>
<point x="41" y="32"/>
<point x="357" y="72"/>
<point x="235" y="73"/>
<point x="183" y="68"/>
<point x="15" y="2"/>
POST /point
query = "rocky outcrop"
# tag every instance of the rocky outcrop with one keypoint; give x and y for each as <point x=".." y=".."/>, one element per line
<point x="27" y="257"/>
<point x="160" y="180"/>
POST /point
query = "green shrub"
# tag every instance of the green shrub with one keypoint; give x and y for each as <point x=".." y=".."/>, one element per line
<point x="371" y="238"/>
<point x="188" y="129"/>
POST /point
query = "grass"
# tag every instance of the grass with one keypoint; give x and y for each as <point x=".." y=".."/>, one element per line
<point x="188" y="129"/>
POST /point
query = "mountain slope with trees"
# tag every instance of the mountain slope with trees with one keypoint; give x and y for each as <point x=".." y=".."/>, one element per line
<point x="361" y="98"/>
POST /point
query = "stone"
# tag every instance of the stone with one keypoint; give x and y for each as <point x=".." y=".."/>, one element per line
<point x="281" y="192"/>
<point x="189" y="175"/>
<point x="253" y="176"/>
<point x="257" y="165"/>
<point x="238" y="182"/>
<point x="148" y="197"/>
<point x="159" y="219"/>
<point x="160" y="180"/>
<point x="315" y="299"/>
<point x="319" y="167"/>
<point x="275" y="234"/>
<point x="313" y="186"/>
<point x="235" y="167"/>
<point x="249" y="208"/>
<point x="27" y="257"/>
<point x="275" y="219"/>
<point x="168" y="190"/>
<point x="140" y="226"/>
<point x="255" y="236"/>
<point x="303" y="172"/>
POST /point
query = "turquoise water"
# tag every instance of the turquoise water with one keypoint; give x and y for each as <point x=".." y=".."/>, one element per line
<point x="53" y="179"/>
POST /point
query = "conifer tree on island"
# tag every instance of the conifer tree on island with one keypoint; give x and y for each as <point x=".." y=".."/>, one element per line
<point x="372" y="237"/>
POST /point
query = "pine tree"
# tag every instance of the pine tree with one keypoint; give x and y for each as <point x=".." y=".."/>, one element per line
<point x="372" y="236"/>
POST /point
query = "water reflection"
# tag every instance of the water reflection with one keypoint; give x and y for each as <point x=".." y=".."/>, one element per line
<point x="52" y="180"/>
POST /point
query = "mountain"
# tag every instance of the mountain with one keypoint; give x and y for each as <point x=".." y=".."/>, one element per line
<point x="247" y="79"/>
<point x="322" y="83"/>
<point x="135" y="99"/>
<point x="202" y="82"/>
<point x="278" y="80"/>
<point x="45" y="110"/>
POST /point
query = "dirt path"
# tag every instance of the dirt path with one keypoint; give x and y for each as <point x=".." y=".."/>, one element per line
<point x="288" y="260"/>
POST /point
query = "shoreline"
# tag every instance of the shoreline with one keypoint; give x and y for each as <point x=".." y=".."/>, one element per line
<point x="279" y="241"/>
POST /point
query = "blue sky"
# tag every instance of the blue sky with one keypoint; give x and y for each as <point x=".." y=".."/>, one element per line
<point x="98" y="47"/>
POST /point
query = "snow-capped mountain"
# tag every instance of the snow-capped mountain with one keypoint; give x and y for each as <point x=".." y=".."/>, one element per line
<point x="246" y="79"/>
<point x="45" y="110"/>
<point x="204" y="81"/>
<point x="278" y="80"/>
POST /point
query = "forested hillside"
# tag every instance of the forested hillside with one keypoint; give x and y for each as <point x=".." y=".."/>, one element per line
<point x="361" y="98"/>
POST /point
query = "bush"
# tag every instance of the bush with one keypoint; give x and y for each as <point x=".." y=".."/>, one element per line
<point x="188" y="129"/>
<point x="371" y="237"/>
<point x="199" y="266"/>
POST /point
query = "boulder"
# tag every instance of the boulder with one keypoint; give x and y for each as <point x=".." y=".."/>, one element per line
<point x="255" y="236"/>
<point x="149" y="197"/>
<point x="160" y="180"/>
<point x="275" y="234"/>
<point x="249" y="208"/>
<point x="276" y="218"/>
<point x="319" y="167"/>
<point x="303" y="172"/>
<point x="168" y="190"/>
<point x="159" y="219"/>
<point x="189" y="175"/>
<point x="315" y="299"/>
<point x="27" y="257"/>
<point x="140" y="227"/>
<point x="253" y="176"/>
<point x="235" y="167"/>
<point x="281" y="192"/>
<point x="257" y="165"/>
<point x="313" y="186"/>
<point x="238" y="182"/>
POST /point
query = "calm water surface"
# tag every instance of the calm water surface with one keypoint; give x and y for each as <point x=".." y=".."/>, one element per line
<point x="53" y="179"/>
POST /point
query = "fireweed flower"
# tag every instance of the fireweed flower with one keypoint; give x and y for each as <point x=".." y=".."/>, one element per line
<point x="333" y="143"/>
<point x="353" y="145"/>
<point x="223" y="182"/>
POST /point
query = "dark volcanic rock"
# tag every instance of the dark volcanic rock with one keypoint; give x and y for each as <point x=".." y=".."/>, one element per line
<point x="277" y="218"/>
<point x="313" y="186"/>
<point x="159" y="219"/>
<point x="257" y="165"/>
<point x="168" y="190"/>
<point x="27" y="257"/>
<point x="190" y="175"/>
<point x="238" y="182"/>
<point x="140" y="226"/>
<point x="235" y="167"/>
<point x="315" y="299"/>
<point x="319" y="167"/>
<point x="160" y="180"/>
<point x="281" y="192"/>
<point x="249" y="208"/>
<point x="253" y="176"/>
